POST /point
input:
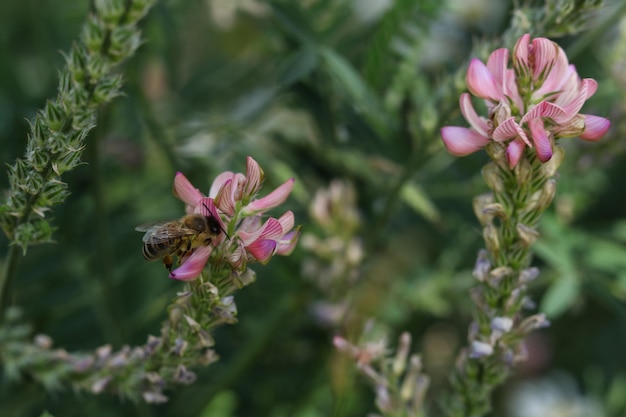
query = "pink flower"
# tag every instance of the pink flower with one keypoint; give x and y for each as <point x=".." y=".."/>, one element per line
<point x="232" y="204"/>
<point x="275" y="236"/>
<point x="532" y="104"/>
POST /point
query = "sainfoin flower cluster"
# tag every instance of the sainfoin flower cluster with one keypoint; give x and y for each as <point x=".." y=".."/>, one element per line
<point x="532" y="104"/>
<point x="249" y="235"/>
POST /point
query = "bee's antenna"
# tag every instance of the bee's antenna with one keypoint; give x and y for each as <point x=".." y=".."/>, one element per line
<point x="218" y="223"/>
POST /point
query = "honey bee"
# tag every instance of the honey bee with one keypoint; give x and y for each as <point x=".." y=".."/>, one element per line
<point x="178" y="237"/>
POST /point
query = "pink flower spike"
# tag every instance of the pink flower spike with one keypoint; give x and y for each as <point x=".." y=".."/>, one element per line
<point x="254" y="178"/>
<point x="184" y="190"/>
<point x="273" y="199"/>
<point x="262" y="250"/>
<point x="595" y="127"/>
<point x="514" y="152"/>
<point x="192" y="267"/>
<point x="461" y="141"/>
<point x="541" y="138"/>
<point x="481" y="82"/>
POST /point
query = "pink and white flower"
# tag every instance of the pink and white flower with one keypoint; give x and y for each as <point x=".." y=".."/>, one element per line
<point x="532" y="104"/>
<point x="232" y="202"/>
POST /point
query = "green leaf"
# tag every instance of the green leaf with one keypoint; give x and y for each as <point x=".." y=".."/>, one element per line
<point x="415" y="197"/>
<point x="298" y="65"/>
<point x="560" y="296"/>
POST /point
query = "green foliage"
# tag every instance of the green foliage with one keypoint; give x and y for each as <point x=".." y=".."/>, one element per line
<point x="316" y="90"/>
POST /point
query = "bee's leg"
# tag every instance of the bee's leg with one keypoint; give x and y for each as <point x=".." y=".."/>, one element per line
<point x="168" y="262"/>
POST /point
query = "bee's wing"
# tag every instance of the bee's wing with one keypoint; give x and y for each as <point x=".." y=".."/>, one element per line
<point x="149" y="226"/>
<point x="163" y="231"/>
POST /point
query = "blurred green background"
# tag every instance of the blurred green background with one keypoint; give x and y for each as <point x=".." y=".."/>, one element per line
<point x="319" y="90"/>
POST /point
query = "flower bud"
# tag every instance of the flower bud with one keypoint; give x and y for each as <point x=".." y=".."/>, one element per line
<point x="527" y="234"/>
<point x="480" y="202"/>
<point x="404" y="345"/>
<point x="547" y="195"/>
<point x="496" y="274"/>
<point x="491" y="237"/>
<point x="482" y="266"/>
<point x="480" y="349"/>
<point x="523" y="170"/>
<point x="549" y="168"/>
<point x="491" y="175"/>
<point x="527" y="275"/>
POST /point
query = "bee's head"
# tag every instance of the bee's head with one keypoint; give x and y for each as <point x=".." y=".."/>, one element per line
<point x="214" y="225"/>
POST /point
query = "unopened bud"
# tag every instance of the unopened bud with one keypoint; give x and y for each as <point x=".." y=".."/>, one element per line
<point x="547" y="194"/>
<point x="480" y="202"/>
<point x="527" y="275"/>
<point x="523" y="171"/>
<point x="482" y="266"/>
<point x="404" y="345"/>
<point x="492" y="240"/>
<point x="527" y="234"/>
<point x="496" y="274"/>
<point x="531" y="323"/>
<point x="43" y="341"/>
<point x="549" y="168"/>
<point x="491" y="175"/>
<point x="100" y="384"/>
<point x="480" y="349"/>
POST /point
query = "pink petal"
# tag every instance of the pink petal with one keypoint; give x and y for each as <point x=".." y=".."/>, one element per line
<point x="461" y="141"/>
<point x="481" y="82"/>
<point x="262" y="249"/>
<point x="509" y="129"/>
<point x="272" y="229"/>
<point x="514" y="152"/>
<point x="254" y="177"/>
<point x="520" y="55"/>
<point x="476" y="122"/>
<point x="557" y="78"/>
<point x="224" y="198"/>
<point x="222" y="178"/>
<point x="287" y="221"/>
<point x="511" y="91"/>
<point x="288" y="243"/>
<point x="192" y="267"/>
<point x="273" y="199"/>
<point x="545" y="53"/>
<point x="541" y="138"/>
<point x="592" y="86"/>
<point x="496" y="64"/>
<point x="595" y="127"/>
<point x="185" y="191"/>
<point x="544" y="109"/>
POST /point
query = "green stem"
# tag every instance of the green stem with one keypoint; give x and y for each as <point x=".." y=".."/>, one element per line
<point x="10" y="269"/>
